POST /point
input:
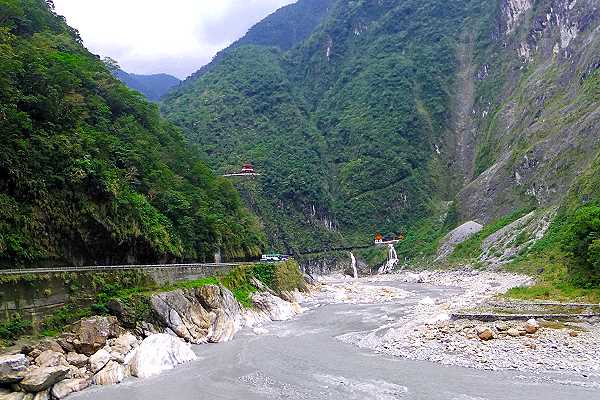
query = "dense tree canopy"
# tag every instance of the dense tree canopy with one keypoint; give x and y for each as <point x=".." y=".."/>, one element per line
<point x="89" y="171"/>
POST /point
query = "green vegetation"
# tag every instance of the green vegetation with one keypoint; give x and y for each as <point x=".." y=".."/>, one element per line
<point x="14" y="327"/>
<point x="470" y="249"/>
<point x="89" y="170"/>
<point x="343" y="125"/>
<point x="565" y="261"/>
<point x="132" y="290"/>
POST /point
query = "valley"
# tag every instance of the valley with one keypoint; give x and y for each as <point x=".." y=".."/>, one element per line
<point x="353" y="199"/>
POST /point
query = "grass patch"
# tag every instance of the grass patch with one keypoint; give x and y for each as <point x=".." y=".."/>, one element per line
<point x="553" y="280"/>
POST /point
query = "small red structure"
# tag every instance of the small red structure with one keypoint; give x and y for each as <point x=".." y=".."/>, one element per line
<point x="247" y="169"/>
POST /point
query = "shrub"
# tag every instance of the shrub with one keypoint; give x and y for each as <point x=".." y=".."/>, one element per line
<point x="14" y="327"/>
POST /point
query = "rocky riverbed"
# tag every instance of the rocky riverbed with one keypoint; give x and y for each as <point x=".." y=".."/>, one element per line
<point x="428" y="333"/>
<point x="100" y="351"/>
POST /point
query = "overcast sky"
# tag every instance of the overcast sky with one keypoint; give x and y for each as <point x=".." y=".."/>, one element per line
<point x="172" y="36"/>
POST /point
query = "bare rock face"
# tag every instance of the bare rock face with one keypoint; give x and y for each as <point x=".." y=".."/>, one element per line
<point x="226" y="310"/>
<point x="207" y="314"/>
<point x="456" y="237"/>
<point x="13" y="368"/>
<point x="64" y="388"/>
<point x="159" y="353"/>
<point x="92" y="333"/>
<point x="277" y="309"/>
<point x="180" y="312"/>
<point x="111" y="374"/>
<point x="39" y="379"/>
<point x="98" y="360"/>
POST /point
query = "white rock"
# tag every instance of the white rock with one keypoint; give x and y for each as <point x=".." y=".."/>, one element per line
<point x="159" y="353"/>
<point x="276" y="308"/>
<point x="78" y="360"/>
<point x="532" y="326"/>
<point x="98" y="360"/>
<point x="439" y="318"/>
<point x="64" y="388"/>
<point x="50" y="358"/>
<point x="111" y="374"/>
<point x="12" y="368"/>
<point x="513" y="332"/>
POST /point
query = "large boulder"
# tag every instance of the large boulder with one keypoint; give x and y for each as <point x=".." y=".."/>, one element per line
<point x="111" y="374"/>
<point x="92" y="333"/>
<point x="39" y="379"/>
<point x="206" y="314"/>
<point x="13" y="368"/>
<point x="51" y="358"/>
<point x="14" y="396"/>
<point x="123" y="344"/>
<point x="276" y="308"/>
<point x="532" y="326"/>
<point x="64" y="388"/>
<point x="159" y="353"/>
<point x="76" y="359"/>
<point x="456" y="237"/>
<point x="484" y="332"/>
<point x="182" y="313"/>
<point x="43" y="395"/>
<point x="98" y="360"/>
<point x="226" y="318"/>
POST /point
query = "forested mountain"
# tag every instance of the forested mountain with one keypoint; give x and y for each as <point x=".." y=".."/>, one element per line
<point x="344" y="126"/>
<point x="89" y="171"/>
<point x="406" y="115"/>
<point x="152" y="86"/>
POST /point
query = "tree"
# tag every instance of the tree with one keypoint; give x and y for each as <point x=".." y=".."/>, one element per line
<point x="111" y="64"/>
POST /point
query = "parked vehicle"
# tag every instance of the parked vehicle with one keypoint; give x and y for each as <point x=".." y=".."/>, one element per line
<point x="274" y="257"/>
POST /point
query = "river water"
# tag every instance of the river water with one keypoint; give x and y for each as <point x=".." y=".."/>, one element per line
<point x="302" y="359"/>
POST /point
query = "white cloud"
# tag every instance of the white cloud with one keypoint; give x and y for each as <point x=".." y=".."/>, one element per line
<point x="150" y="36"/>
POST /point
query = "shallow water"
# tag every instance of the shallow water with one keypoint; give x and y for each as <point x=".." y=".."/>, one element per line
<point x="301" y="359"/>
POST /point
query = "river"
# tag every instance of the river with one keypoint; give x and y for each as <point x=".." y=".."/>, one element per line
<point x="302" y="359"/>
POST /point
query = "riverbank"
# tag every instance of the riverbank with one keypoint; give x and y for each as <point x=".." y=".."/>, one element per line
<point x="427" y="333"/>
<point x="301" y="358"/>
<point x="150" y="331"/>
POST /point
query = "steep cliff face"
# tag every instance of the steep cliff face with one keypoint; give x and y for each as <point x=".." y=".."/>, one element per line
<point x="538" y="126"/>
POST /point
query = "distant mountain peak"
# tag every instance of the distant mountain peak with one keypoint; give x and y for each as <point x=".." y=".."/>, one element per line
<point x="154" y="86"/>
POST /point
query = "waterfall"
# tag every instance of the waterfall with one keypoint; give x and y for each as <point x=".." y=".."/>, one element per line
<point x="391" y="262"/>
<point x="354" y="265"/>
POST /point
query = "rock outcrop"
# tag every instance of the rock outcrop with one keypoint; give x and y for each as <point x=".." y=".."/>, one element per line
<point x="202" y="315"/>
<point x="275" y="308"/>
<point x="159" y="353"/>
<point x="99" y="351"/>
<point x="456" y="237"/>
